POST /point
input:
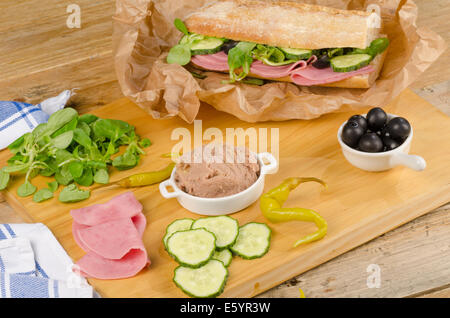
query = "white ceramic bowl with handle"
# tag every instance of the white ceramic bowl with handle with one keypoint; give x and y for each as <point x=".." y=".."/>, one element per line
<point x="222" y="205"/>
<point x="381" y="161"/>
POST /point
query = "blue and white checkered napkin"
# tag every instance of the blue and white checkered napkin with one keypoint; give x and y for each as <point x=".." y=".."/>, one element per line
<point x="18" y="118"/>
<point x="34" y="265"/>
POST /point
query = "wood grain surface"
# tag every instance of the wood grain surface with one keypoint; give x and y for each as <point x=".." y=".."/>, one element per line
<point x="396" y="253"/>
<point x="40" y="57"/>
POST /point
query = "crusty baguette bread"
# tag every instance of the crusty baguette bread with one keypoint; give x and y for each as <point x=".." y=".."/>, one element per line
<point x="284" y="24"/>
<point x="358" y="81"/>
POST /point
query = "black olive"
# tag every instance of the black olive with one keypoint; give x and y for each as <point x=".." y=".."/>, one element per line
<point x="384" y="132"/>
<point x="370" y="142"/>
<point x="390" y="144"/>
<point x="227" y="46"/>
<point x="351" y="133"/>
<point x="398" y="128"/>
<point x="322" y="62"/>
<point x="376" y="119"/>
<point x="360" y="120"/>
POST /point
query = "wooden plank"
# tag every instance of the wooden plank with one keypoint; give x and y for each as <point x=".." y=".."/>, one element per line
<point x="438" y="95"/>
<point x="357" y="205"/>
<point x="442" y="293"/>
<point x="41" y="56"/>
<point x="92" y="91"/>
<point x="319" y="282"/>
<point x="413" y="260"/>
<point x="53" y="35"/>
<point x="7" y="214"/>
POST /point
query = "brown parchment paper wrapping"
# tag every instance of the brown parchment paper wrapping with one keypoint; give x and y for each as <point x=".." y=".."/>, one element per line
<point x="144" y="32"/>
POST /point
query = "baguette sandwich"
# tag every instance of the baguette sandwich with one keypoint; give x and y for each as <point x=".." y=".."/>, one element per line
<point x="304" y="44"/>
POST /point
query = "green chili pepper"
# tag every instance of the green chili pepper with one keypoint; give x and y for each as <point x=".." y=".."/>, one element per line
<point x="170" y="155"/>
<point x="271" y="206"/>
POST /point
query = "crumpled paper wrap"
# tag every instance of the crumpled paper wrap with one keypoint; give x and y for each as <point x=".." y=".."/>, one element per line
<point x="144" y="33"/>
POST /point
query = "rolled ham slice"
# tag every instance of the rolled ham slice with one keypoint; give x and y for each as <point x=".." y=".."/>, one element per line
<point x="92" y="265"/>
<point x="122" y="206"/>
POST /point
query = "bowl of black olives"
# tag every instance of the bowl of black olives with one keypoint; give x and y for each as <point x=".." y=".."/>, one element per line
<point x="378" y="141"/>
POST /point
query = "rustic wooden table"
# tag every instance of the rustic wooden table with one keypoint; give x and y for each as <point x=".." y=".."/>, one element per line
<point x="41" y="56"/>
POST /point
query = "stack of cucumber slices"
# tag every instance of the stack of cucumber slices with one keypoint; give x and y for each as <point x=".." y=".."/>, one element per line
<point x="204" y="249"/>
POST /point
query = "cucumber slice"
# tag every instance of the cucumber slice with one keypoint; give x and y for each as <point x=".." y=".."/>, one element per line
<point x="296" y="54"/>
<point x="271" y="63"/>
<point x="192" y="248"/>
<point x="224" y="228"/>
<point x="253" y="240"/>
<point x="208" y="45"/>
<point x="351" y="62"/>
<point x="175" y="226"/>
<point x="224" y="256"/>
<point x="206" y="281"/>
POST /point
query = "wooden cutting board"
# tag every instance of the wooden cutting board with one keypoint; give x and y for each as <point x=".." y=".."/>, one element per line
<point x="358" y="205"/>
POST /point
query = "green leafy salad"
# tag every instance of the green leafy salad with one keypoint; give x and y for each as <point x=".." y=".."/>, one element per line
<point x="74" y="150"/>
<point x="242" y="54"/>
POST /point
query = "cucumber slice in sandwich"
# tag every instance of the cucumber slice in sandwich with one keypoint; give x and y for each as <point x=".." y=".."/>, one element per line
<point x="351" y="62"/>
<point x="192" y="248"/>
<point x="296" y="54"/>
<point x="208" y="45"/>
<point x="225" y="229"/>
<point x="224" y="256"/>
<point x="253" y="240"/>
<point x="206" y="281"/>
<point x="177" y="225"/>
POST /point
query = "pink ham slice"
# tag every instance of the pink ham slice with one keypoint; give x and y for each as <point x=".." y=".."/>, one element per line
<point x="139" y="222"/>
<point x="268" y="71"/>
<point x="112" y="240"/>
<point x="213" y="62"/>
<point x="122" y="206"/>
<point x="313" y="76"/>
<point x="76" y="227"/>
<point x="111" y="234"/>
<point x="92" y="265"/>
<point x="301" y="72"/>
<point x="109" y="255"/>
<point x="219" y="62"/>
